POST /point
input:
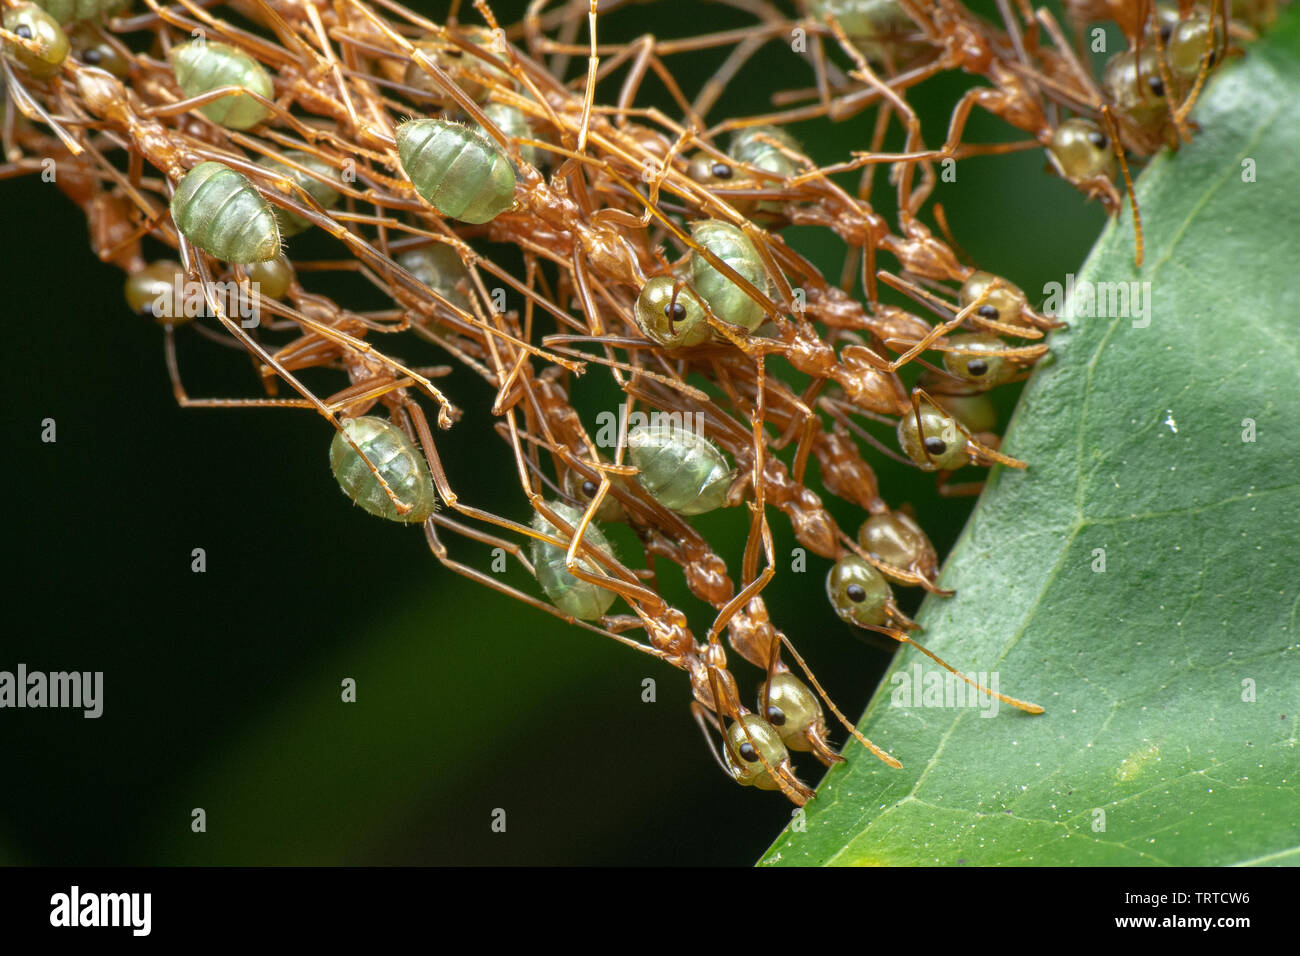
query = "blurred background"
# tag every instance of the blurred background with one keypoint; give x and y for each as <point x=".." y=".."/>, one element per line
<point x="222" y="689"/>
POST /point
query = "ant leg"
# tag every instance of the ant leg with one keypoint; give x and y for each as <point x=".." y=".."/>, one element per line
<point x="184" y="401"/>
<point x="758" y="529"/>
<point x="1139" y="244"/>
<point x="309" y="400"/>
<point x="646" y="56"/>
<point x="625" y="586"/>
<point x="619" y="217"/>
<point x="424" y="437"/>
<point x="589" y="92"/>
<point x="28" y="105"/>
<point x="195" y="263"/>
<point x="440" y="552"/>
<point x="839" y="410"/>
<point x="1176" y="116"/>
<point x="988" y="98"/>
<point x="942" y="308"/>
<point x="447" y="412"/>
<point x="810" y="431"/>
<point x="1027" y="354"/>
<point x="716" y="85"/>
<point x="181" y="107"/>
<point x="1180" y="116"/>
<point x="483" y="537"/>
<point x="965" y="489"/>
<point x="705" y="719"/>
<point x="938" y="331"/>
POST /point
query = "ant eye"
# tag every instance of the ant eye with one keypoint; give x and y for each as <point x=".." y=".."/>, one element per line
<point x="23" y="30"/>
<point x="935" y="446"/>
<point x="1157" y="86"/>
<point x="720" y="171"/>
<point x="775" y="716"/>
<point x="857" y="594"/>
<point x="987" y="312"/>
<point x="1098" y="139"/>
<point x="1166" y="31"/>
<point x="589" y="488"/>
<point x="92" y="56"/>
<point x="748" y="753"/>
<point x="675" y="311"/>
<point x="977" y="366"/>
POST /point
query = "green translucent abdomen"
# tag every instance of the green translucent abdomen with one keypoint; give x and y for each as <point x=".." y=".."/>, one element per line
<point x="222" y="213"/>
<point x="460" y="173"/>
<point x="572" y="595"/>
<point x="683" y="471"/>
<point x="395" y="457"/>
<point x="727" y="300"/>
<point x="202" y="66"/>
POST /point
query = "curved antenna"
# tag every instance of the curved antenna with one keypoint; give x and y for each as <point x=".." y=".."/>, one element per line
<point x="1128" y="182"/>
<point x="902" y="638"/>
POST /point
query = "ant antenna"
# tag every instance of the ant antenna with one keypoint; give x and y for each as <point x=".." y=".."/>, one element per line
<point x="1128" y="182"/>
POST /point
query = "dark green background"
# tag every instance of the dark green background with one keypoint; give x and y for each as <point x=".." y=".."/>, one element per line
<point x="222" y="689"/>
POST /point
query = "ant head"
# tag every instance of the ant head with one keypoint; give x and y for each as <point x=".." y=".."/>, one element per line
<point x="1081" y="150"/>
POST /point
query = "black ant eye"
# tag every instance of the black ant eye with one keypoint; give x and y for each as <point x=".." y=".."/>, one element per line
<point x="776" y="716"/>
<point x="23" y="30"/>
<point x="720" y="171"/>
<point x="1166" y="31"/>
<point x="857" y="594"/>
<point x="987" y="312"/>
<point x="977" y="366"/>
<point x="589" y="488"/>
<point x="1157" y="87"/>
<point x="1098" y="139"/>
<point x="675" y="311"/>
<point x="935" y="446"/>
<point x="92" y="56"/>
<point x="747" y="752"/>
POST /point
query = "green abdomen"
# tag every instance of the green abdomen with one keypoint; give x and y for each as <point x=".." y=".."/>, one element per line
<point x="395" y="457"/>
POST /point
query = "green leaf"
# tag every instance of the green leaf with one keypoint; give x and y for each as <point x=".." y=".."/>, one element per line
<point x="1172" y="678"/>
